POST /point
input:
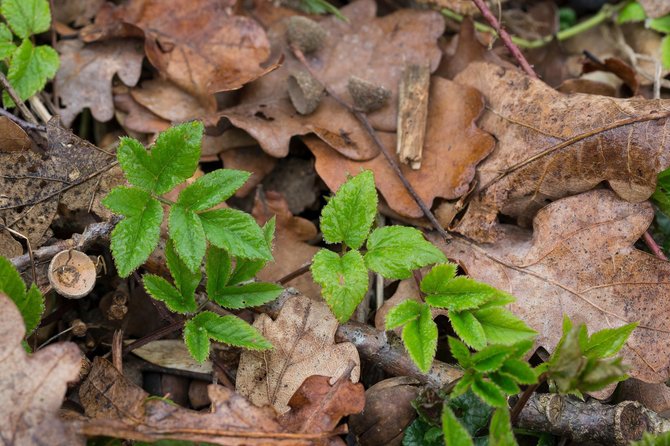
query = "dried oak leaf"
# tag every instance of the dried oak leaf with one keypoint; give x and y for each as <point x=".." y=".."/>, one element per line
<point x="551" y="145"/>
<point x="318" y="406"/>
<point x="452" y="149"/>
<point x="170" y="102"/>
<point x="199" y="45"/>
<point x="134" y="117"/>
<point x="33" y="184"/>
<point x="580" y="261"/>
<point x="303" y="336"/>
<point x="372" y="48"/>
<point x="86" y="71"/>
<point x="120" y="409"/>
<point x="32" y="387"/>
<point x="291" y="250"/>
<point x="251" y="159"/>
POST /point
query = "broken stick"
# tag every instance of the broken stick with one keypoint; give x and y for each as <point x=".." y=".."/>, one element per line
<point x="412" y="114"/>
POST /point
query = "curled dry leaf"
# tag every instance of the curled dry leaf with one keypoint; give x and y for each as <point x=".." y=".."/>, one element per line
<point x="580" y="261"/>
<point x="452" y="149"/>
<point x="303" y="336"/>
<point x="371" y="48"/>
<point x="318" y="406"/>
<point x="32" y="387"/>
<point x="84" y="79"/>
<point x="552" y="145"/>
<point x="120" y="409"/>
<point x="172" y="354"/>
<point x="291" y="250"/>
<point x="198" y="45"/>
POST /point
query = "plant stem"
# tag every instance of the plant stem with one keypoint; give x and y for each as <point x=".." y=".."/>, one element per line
<point x="525" y="396"/>
<point x="164" y="200"/>
<point x="603" y="15"/>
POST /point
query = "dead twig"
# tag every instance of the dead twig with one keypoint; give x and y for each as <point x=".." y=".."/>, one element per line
<point x="21" y="122"/>
<point x="17" y="100"/>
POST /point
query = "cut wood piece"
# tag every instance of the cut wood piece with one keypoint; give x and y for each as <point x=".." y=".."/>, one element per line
<point x="412" y="114"/>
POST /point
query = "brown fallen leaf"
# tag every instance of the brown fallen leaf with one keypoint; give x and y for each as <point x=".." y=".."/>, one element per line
<point x="120" y="409"/>
<point x="580" y="261"/>
<point x="303" y="336"/>
<point x="291" y="250"/>
<point x="318" y="406"/>
<point x="552" y="145"/>
<point x="32" y="387"/>
<point x="170" y="102"/>
<point x="198" y="45"/>
<point x="133" y="117"/>
<point x="252" y="159"/>
<point x="84" y="79"/>
<point x="452" y="149"/>
<point x="12" y="137"/>
<point x="372" y="48"/>
<point x="77" y="12"/>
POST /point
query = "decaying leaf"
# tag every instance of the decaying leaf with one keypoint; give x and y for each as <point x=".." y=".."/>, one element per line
<point x="251" y="159"/>
<point x="84" y="79"/>
<point x="170" y="102"/>
<point x="78" y="12"/>
<point x="452" y="149"/>
<point x="134" y="117"/>
<point x="303" y="336"/>
<point x="291" y="250"/>
<point x="552" y="145"/>
<point x="198" y="45"/>
<point x="120" y="409"/>
<point x="580" y="261"/>
<point x="32" y="387"/>
<point x="373" y="49"/>
<point x="172" y="354"/>
<point x="12" y="137"/>
<point x="318" y="406"/>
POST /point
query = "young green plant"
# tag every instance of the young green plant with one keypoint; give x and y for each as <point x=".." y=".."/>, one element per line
<point x="29" y="66"/>
<point x="235" y="247"/>
<point x="30" y="302"/>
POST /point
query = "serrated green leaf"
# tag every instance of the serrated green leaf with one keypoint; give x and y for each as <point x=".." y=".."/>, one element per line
<point x="455" y="434"/>
<point x="502" y="327"/>
<point x="498" y="300"/>
<point x="27" y="17"/>
<point x="343" y="280"/>
<point x="632" y="12"/>
<point x="462" y="293"/>
<point x="185" y="280"/>
<point x="473" y="414"/>
<point x="29" y="69"/>
<point x="10" y="281"/>
<point x="160" y="289"/>
<point x="500" y="430"/>
<point x="660" y="24"/>
<point x="608" y="342"/>
<point x="248" y="295"/>
<point x="521" y="348"/>
<point x="520" y="371"/>
<point x="247" y="269"/>
<point x="231" y="330"/>
<point x="197" y="340"/>
<point x="30" y="304"/>
<point x="172" y="159"/>
<point x="489" y="392"/>
<point x="395" y="251"/>
<point x="460" y="352"/>
<point x="490" y="358"/>
<point x="437" y="277"/>
<point x="506" y="384"/>
<point x="348" y="216"/>
<point x="135" y="237"/>
<point x="237" y="232"/>
<point x="463" y="385"/>
<point x="420" y="339"/>
<point x="600" y="373"/>
<point x="188" y="234"/>
<point x="7" y="46"/>
<point x="468" y="328"/>
<point x="212" y="189"/>
<point x="32" y="308"/>
<point x="218" y="267"/>
<point x="406" y="311"/>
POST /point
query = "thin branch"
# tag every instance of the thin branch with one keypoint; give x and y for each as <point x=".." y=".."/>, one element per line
<point x="505" y="37"/>
<point x="362" y="118"/>
<point x="653" y="246"/>
<point x="17" y="100"/>
<point x="21" y="122"/>
<point x="293" y="274"/>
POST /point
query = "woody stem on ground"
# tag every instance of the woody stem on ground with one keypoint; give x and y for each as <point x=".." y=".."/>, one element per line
<point x="17" y="100"/>
<point x="362" y="118"/>
<point x="505" y="37"/>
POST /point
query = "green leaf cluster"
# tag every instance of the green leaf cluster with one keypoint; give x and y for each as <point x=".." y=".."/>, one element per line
<point x="235" y="247"/>
<point x="653" y="440"/>
<point x="30" y="302"/>
<point x="464" y="417"/>
<point x="583" y="363"/>
<point x="634" y="12"/>
<point x="28" y="66"/>
<point x="392" y="251"/>
<point x="475" y="309"/>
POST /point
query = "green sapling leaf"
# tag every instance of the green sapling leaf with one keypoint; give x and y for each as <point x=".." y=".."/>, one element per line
<point x="246" y="269"/>
<point x="344" y="280"/>
<point x="349" y="214"/>
<point x="489" y="392"/>
<point x="185" y="280"/>
<point x="500" y="429"/>
<point x="218" y="268"/>
<point x="520" y="371"/>
<point x="460" y="293"/>
<point x="7" y="46"/>
<point x="632" y="12"/>
<point x="406" y="311"/>
<point x="188" y="234"/>
<point x="248" y="295"/>
<point x="394" y="251"/>
<point x="135" y="237"/>
<point x="608" y="342"/>
<point x="29" y="69"/>
<point x="468" y="328"/>
<point x="420" y="339"/>
<point x="212" y="189"/>
<point x="228" y="329"/>
<point x="196" y="339"/>
<point x="490" y="358"/>
<point x="237" y="232"/>
<point x="502" y="327"/>
<point x="27" y="17"/>
<point x="460" y="352"/>
<point x="455" y="434"/>
<point x="160" y="289"/>
<point x="30" y="304"/>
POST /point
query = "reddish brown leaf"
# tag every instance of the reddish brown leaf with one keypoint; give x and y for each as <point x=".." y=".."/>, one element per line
<point x="32" y="387"/>
<point x="452" y="149"/>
